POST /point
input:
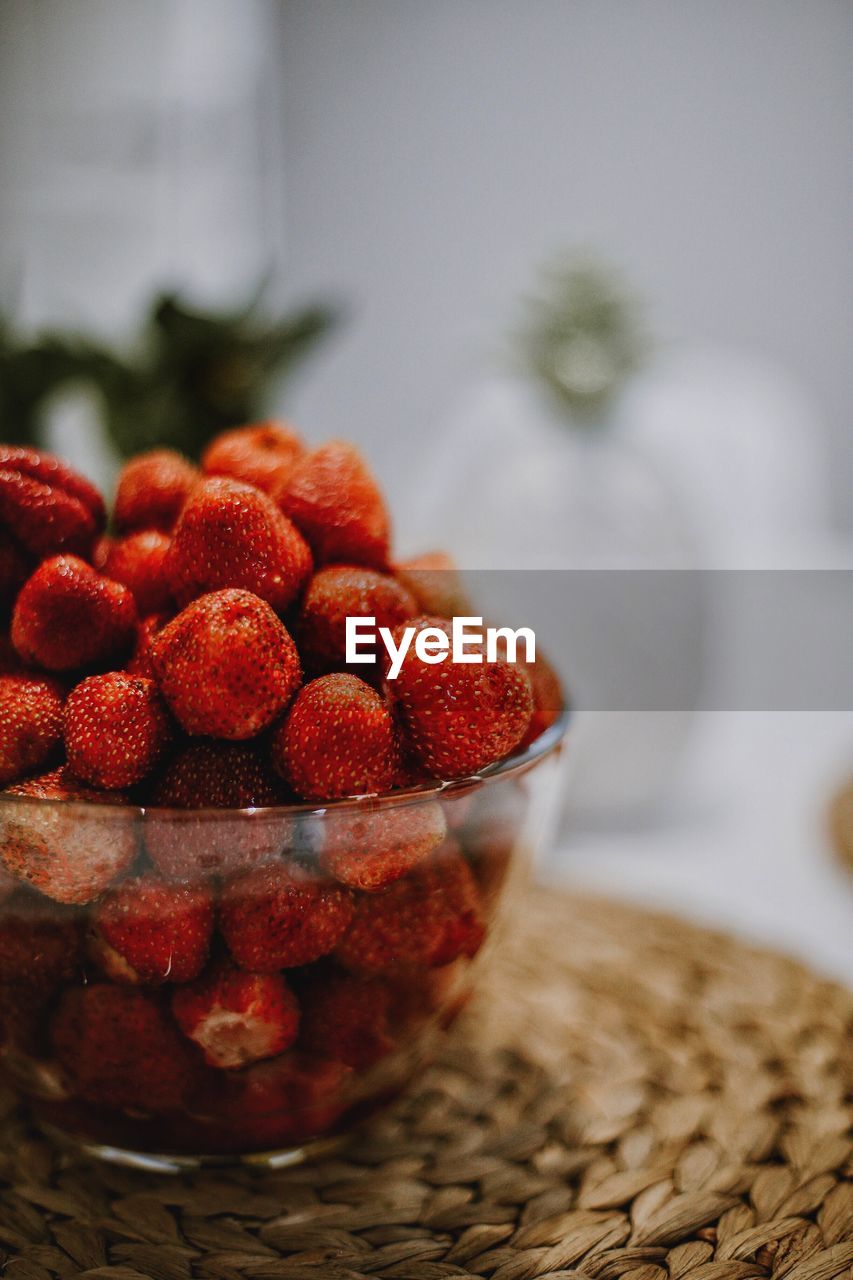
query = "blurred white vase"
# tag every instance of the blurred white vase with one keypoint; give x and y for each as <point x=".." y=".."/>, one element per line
<point x="742" y="443"/>
<point x="528" y="491"/>
<point x="714" y="459"/>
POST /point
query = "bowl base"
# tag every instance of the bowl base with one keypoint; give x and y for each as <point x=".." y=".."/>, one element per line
<point x="169" y="1162"/>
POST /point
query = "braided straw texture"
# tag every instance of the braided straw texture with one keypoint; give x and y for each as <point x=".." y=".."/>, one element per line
<point x="633" y="1098"/>
<point x="841" y="824"/>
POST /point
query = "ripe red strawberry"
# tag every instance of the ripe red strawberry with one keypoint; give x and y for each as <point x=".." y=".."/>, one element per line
<point x="121" y="1049"/>
<point x="8" y="885"/>
<point x="150" y="931"/>
<point x="226" y="665"/>
<point x="140" y="663"/>
<point x="232" y="535"/>
<point x="15" y="568"/>
<point x="333" y="499"/>
<point x="341" y="591"/>
<point x="39" y="944"/>
<point x="138" y="561"/>
<point x="116" y="729"/>
<point x="68" y="616"/>
<point x="424" y="921"/>
<point x="459" y="718"/>
<point x="214" y="775"/>
<point x="30" y="724"/>
<point x="368" y="850"/>
<point x="152" y="488"/>
<point x="262" y="454"/>
<point x="548" y="698"/>
<point x="280" y="916"/>
<point x="281" y="1102"/>
<point x="237" y="1018"/>
<point x="10" y="662"/>
<point x="345" y="1018"/>
<point x="65" y="854"/>
<point x="338" y="740"/>
<point x="493" y="835"/>
<point x="45" y="505"/>
<point x="435" y="582"/>
<point x="39" y="952"/>
<point x="422" y="995"/>
<point x="217" y="775"/>
<point x="21" y="1027"/>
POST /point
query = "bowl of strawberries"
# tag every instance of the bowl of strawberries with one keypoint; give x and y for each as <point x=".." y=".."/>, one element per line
<point x="245" y="882"/>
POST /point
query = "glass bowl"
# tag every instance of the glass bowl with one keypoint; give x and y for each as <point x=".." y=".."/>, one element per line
<point x="114" y="1058"/>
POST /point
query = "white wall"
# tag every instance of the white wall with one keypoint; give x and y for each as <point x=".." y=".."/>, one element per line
<point x="140" y="148"/>
<point x="436" y="150"/>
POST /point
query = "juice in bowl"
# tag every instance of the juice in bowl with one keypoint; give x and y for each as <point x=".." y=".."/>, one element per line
<point x="252" y="854"/>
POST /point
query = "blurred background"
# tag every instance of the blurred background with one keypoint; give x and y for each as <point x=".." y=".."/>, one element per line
<point x="575" y="274"/>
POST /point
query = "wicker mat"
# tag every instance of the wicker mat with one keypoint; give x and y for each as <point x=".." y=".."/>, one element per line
<point x="648" y="1101"/>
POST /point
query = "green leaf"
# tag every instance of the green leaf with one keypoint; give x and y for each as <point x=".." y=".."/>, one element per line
<point x="189" y="373"/>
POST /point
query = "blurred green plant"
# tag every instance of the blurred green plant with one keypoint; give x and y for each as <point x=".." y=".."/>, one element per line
<point x="189" y="373"/>
<point x="582" y="337"/>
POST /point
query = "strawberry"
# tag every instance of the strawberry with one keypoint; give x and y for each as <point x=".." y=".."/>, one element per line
<point x="21" y="1029"/>
<point x="30" y="724"/>
<point x="435" y="582"/>
<point x="214" y="775"/>
<point x="548" y="699"/>
<point x="139" y="663"/>
<point x="341" y="591"/>
<point x="39" y="944"/>
<point x="15" y="568"/>
<point x="338" y="740"/>
<point x="8" y="885"/>
<point x="419" y="996"/>
<point x="262" y="454"/>
<point x="493" y="835"/>
<point x="345" y="1018"/>
<point x="121" y="1049"/>
<point x="280" y="916"/>
<point x="217" y="775"/>
<point x="237" y="1018"/>
<point x="116" y="729"/>
<point x="152" y="489"/>
<point x="39" y="953"/>
<point x="68" y="616"/>
<point x="10" y="662"/>
<point x="333" y="499"/>
<point x="282" y="1102"/>
<point x="232" y="535"/>
<point x="101" y="551"/>
<point x="45" y="505"/>
<point x="150" y="931"/>
<point x="459" y="718"/>
<point x="226" y="665"/>
<point x="66" y="855"/>
<point x="138" y="561"/>
<point x="369" y="849"/>
<point x="424" y="921"/>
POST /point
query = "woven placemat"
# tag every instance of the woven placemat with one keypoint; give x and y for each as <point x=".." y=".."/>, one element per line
<point x="632" y="1097"/>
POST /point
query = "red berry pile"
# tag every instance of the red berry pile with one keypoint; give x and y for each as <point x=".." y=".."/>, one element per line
<point x="185" y="961"/>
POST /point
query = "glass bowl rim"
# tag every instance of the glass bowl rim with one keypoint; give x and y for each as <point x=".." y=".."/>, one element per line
<point x="513" y="766"/>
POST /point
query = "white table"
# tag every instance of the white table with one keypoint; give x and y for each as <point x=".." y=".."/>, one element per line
<point x="742" y="844"/>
